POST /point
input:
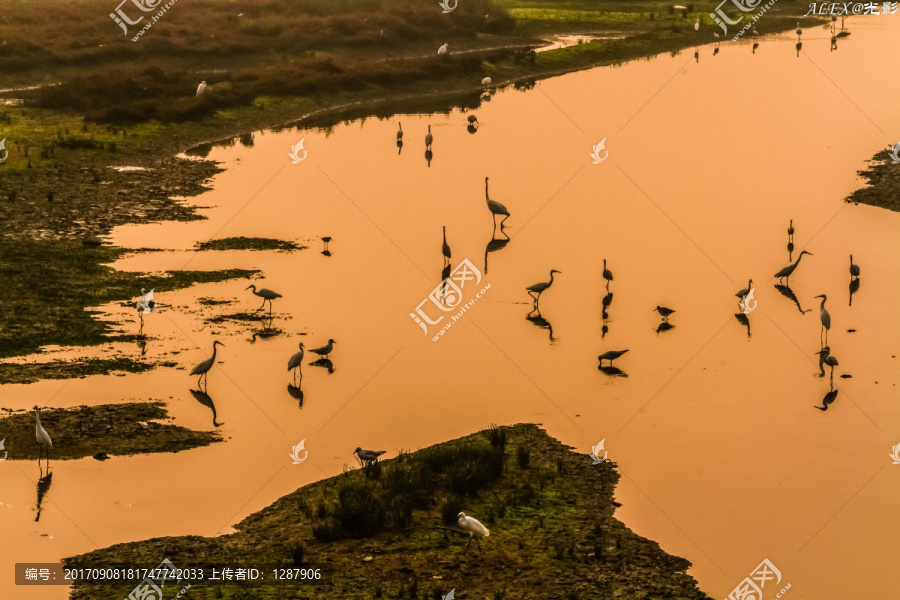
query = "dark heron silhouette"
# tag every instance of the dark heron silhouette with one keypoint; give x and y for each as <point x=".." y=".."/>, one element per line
<point x="207" y="401"/>
<point x="266" y="294"/>
<point x="494" y="245"/>
<point x="43" y="486"/>
<point x="745" y="291"/>
<point x="367" y="456"/>
<point x="607" y="274"/>
<point x="825" y="358"/>
<point x="791" y="231"/>
<point x="743" y="320"/>
<point x="787" y="271"/>
<point x="495" y="207"/>
<point x="203" y="368"/>
<point x="611" y="355"/>
<point x="295" y="363"/>
<point x="828" y="399"/>
<point x="854" y="269"/>
<point x="445" y="248"/>
<point x="664" y="312"/>
<point x="537" y="289"/>
<point x="824" y="316"/>
<point x="428" y="139"/>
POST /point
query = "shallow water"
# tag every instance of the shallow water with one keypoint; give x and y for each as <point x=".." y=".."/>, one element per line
<point x="724" y="459"/>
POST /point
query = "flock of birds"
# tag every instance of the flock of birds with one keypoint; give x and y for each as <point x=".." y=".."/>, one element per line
<point x="835" y="35"/>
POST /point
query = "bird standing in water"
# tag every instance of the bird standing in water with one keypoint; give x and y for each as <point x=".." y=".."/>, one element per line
<point x="445" y="248"/>
<point x="611" y="355"/>
<point x="203" y="368"/>
<point x="824" y="316"/>
<point x="537" y="289"/>
<point x="42" y="437"/>
<point x="495" y="207"/>
<point x="607" y="274"/>
<point x="428" y="139"/>
<point x="295" y="363"/>
<point x="324" y="350"/>
<point x="664" y="312"/>
<point x="266" y="294"/>
<point x="786" y="272"/>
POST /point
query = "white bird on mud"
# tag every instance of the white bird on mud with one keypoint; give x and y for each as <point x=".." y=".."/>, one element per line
<point x="203" y="368"/>
<point x="146" y="304"/>
<point x="442" y="50"/>
<point x="41" y="435"/>
<point x="697" y="25"/>
<point x="474" y="527"/>
<point x="486" y="81"/>
<point x="201" y="88"/>
<point x="495" y="207"/>
<point x="266" y="294"/>
<point x="295" y="363"/>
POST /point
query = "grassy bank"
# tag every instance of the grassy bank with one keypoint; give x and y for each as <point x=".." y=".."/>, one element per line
<point x="391" y="532"/>
<point x="113" y="429"/>
<point x="883" y="183"/>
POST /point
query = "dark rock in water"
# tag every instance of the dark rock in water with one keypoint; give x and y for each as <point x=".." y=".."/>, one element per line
<point x="846" y="376"/>
<point x="101" y="456"/>
<point x="851" y="331"/>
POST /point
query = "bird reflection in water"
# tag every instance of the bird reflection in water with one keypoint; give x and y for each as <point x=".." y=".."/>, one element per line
<point x="43" y="486"/>
<point x="296" y="392"/>
<point x="428" y="156"/>
<point x="535" y="317"/>
<point x="495" y="244"/>
<point x="445" y="275"/>
<point x="612" y="371"/>
<point x="743" y="320"/>
<point x="788" y="293"/>
<point x="828" y="399"/>
<point x="664" y="326"/>
<point x="799" y="47"/>
<point x="604" y="314"/>
<point x="325" y="363"/>
<point x="399" y="147"/>
<point x="267" y="331"/>
<point x="854" y="287"/>
<point x="205" y="399"/>
<point x="326" y="240"/>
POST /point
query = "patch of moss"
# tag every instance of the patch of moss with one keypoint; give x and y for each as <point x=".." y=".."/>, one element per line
<point x="116" y="429"/>
<point x="61" y="369"/>
<point x="381" y="532"/>
<point x="883" y="183"/>
<point x="248" y="243"/>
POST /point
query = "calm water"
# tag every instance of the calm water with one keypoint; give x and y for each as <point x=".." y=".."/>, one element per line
<point x="724" y="459"/>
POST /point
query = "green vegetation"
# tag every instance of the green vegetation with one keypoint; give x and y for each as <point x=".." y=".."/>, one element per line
<point x="114" y="429"/>
<point x="391" y="532"/>
<point x="68" y="369"/>
<point x="883" y="183"/>
<point x="246" y="243"/>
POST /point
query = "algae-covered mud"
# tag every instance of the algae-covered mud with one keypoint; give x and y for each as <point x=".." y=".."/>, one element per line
<point x="390" y="530"/>
<point x="883" y="181"/>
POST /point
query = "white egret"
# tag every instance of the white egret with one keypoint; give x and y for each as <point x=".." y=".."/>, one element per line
<point x="368" y="456"/>
<point x="786" y="272"/>
<point x="203" y="368"/>
<point x="201" y="88"/>
<point x="428" y="139"/>
<point x="42" y="437"/>
<point x="442" y="50"/>
<point x="495" y="207"/>
<point x="324" y="350"/>
<point x="295" y="363"/>
<point x="266" y="294"/>
<point x="146" y="304"/>
<point x="716" y="37"/>
<point x="854" y="269"/>
<point x="486" y="81"/>
<point x="697" y="25"/>
<point x="474" y="528"/>
<point x="611" y="355"/>
<point x="664" y="312"/>
<point x="607" y="274"/>
<point x="537" y="289"/>
<point x="824" y="316"/>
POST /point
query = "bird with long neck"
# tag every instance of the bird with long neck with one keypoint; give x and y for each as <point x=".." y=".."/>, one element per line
<point x="824" y="316"/>
<point x="854" y="269"/>
<point x="203" y="368"/>
<point x="537" y="289"/>
<point x="786" y="272"/>
<point x="400" y="132"/>
<point x="42" y="437"/>
<point x="445" y="248"/>
<point x="746" y="290"/>
<point x="607" y="274"/>
<point x="428" y="139"/>
<point x="495" y="207"/>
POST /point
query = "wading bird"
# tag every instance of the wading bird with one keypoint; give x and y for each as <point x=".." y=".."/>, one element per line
<point x="826" y="358"/>
<point x="537" y="289"/>
<point x="42" y="437"/>
<point x="746" y="290"/>
<point x="295" y="363"/>
<point x="486" y="81"/>
<point x="400" y="132"/>
<point x="664" y="312"/>
<point x="824" y="316"/>
<point x="611" y="356"/>
<point x="854" y="269"/>
<point x="474" y="528"/>
<point x="325" y="250"/>
<point x="697" y="25"/>
<point x="442" y="50"/>
<point x="799" y="31"/>
<point x="473" y="120"/>
<point x="428" y="139"/>
<point x="203" y="368"/>
<point x="786" y="272"/>
<point x="266" y="294"/>
<point x="607" y="274"/>
<point x="147" y="304"/>
<point x="445" y="248"/>
<point x="495" y="207"/>
<point x="368" y="456"/>
<point x="324" y="350"/>
<point x="201" y="88"/>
